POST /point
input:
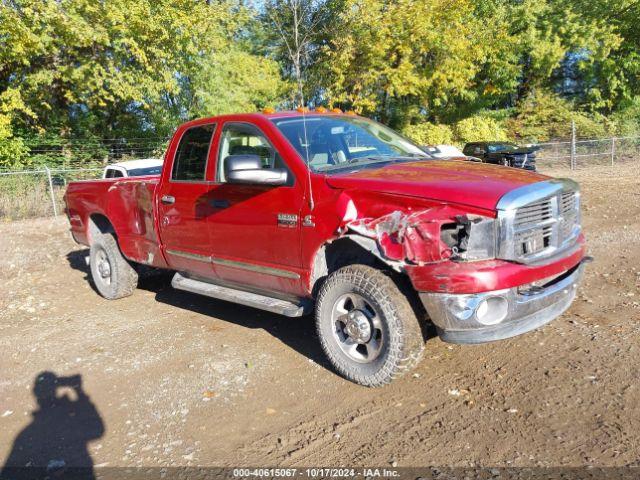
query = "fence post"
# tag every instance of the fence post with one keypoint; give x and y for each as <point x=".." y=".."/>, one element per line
<point x="573" y="144"/>
<point x="53" y="197"/>
<point x="613" y="150"/>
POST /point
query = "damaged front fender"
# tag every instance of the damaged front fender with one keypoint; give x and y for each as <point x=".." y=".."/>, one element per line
<point x="407" y="237"/>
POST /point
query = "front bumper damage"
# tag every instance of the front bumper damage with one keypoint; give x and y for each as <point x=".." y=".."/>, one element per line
<point x="469" y="301"/>
<point x="496" y="315"/>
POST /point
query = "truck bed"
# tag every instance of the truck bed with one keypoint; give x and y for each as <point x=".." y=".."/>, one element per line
<point x="128" y="203"/>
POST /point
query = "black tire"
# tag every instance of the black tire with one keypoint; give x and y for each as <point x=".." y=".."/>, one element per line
<point x="121" y="279"/>
<point x="398" y="332"/>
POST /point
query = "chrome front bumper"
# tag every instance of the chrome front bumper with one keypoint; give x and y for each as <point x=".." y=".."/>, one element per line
<point x="488" y="316"/>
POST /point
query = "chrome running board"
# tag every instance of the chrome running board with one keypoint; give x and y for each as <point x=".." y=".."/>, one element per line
<point x="255" y="300"/>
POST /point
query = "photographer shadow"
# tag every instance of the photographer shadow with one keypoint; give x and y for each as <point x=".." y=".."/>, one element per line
<point x="55" y="443"/>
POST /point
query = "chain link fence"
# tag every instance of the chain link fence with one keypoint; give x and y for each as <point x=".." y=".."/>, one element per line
<point x="39" y="192"/>
<point x="577" y="154"/>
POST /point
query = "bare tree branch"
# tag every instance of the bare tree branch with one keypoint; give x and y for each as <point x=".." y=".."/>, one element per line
<point x="296" y="23"/>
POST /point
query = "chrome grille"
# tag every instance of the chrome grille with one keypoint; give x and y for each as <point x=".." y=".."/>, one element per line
<point x="534" y="213"/>
<point x="539" y="220"/>
<point x="568" y="213"/>
<point x="532" y="227"/>
<point x="532" y="241"/>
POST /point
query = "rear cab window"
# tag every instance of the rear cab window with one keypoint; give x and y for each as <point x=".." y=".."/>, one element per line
<point x="190" y="162"/>
<point x="114" y="173"/>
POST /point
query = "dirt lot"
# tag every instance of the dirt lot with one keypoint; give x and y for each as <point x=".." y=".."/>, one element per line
<point x="175" y="379"/>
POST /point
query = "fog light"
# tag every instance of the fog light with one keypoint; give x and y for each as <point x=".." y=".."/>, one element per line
<point x="492" y="310"/>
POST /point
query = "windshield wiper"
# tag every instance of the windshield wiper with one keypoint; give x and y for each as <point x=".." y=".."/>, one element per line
<point x="374" y="158"/>
<point x="391" y="158"/>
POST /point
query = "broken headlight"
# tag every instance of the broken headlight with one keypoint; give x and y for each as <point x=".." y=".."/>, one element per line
<point x="470" y="238"/>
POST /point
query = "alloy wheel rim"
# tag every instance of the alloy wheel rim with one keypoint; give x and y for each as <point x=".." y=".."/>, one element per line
<point x="103" y="267"/>
<point x="357" y="328"/>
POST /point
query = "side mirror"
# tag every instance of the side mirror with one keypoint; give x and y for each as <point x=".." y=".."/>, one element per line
<point x="247" y="169"/>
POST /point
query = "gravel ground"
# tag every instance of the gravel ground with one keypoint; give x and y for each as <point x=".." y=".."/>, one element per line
<point x="170" y="378"/>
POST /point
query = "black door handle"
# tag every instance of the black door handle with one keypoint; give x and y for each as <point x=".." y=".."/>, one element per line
<point x="219" y="203"/>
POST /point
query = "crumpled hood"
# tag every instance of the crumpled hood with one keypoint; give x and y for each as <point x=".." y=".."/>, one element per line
<point x="462" y="182"/>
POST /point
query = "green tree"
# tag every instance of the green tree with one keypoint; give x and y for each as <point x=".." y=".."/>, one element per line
<point x="556" y="41"/>
<point x="293" y="31"/>
<point x="12" y="148"/>
<point x="545" y="116"/>
<point x="429" y="134"/>
<point x="235" y="80"/>
<point x="407" y="62"/>
<point x="479" y="128"/>
<point x="403" y="60"/>
<point x="128" y="68"/>
<point x="612" y="81"/>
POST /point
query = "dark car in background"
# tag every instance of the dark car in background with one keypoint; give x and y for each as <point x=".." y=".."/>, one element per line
<point x="503" y="153"/>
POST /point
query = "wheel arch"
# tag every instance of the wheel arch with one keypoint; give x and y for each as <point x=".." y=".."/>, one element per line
<point x="99" y="223"/>
<point x="343" y="251"/>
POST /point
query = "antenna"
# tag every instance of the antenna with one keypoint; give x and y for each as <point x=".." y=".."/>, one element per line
<point x="296" y="50"/>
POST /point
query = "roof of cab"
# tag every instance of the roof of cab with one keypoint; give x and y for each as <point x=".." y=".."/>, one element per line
<point x="295" y="113"/>
<point x="268" y="116"/>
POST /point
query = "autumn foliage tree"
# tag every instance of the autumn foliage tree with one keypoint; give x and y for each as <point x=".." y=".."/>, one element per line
<point x="125" y="69"/>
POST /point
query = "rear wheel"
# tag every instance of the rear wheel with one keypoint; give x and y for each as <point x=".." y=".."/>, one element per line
<point x="112" y="274"/>
<point x="367" y="327"/>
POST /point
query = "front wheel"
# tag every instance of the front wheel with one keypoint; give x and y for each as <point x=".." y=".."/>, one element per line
<point x="112" y="274"/>
<point x="367" y="327"/>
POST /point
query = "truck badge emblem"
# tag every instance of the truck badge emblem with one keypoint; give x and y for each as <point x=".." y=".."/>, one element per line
<point x="308" y="221"/>
<point x="288" y="220"/>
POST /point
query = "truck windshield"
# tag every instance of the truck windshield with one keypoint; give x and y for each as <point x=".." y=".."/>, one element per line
<point x="333" y="143"/>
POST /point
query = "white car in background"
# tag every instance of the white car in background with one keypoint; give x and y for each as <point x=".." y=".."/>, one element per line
<point x="133" y="168"/>
<point x="443" y="151"/>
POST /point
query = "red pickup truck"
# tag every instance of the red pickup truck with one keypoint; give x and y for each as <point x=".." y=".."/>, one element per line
<point x="299" y="211"/>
